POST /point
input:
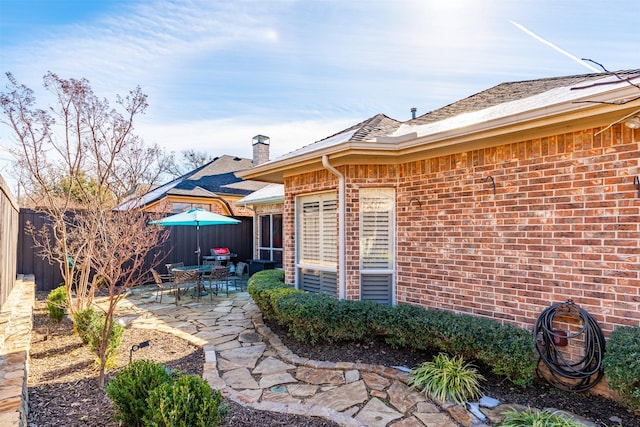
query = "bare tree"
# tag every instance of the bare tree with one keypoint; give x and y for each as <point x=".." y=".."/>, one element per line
<point x="78" y="160"/>
<point x="191" y="159"/>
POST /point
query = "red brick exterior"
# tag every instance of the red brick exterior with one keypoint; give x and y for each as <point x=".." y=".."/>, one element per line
<point x="563" y="224"/>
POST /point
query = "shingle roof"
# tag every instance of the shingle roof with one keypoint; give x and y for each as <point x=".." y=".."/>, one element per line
<point x="210" y="180"/>
<point x="513" y="91"/>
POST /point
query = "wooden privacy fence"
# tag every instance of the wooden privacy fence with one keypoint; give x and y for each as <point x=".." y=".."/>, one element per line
<point x="179" y="247"/>
<point x="8" y="240"/>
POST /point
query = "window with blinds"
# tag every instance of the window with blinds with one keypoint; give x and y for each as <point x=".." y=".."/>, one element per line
<point x="317" y="242"/>
<point x="377" y="244"/>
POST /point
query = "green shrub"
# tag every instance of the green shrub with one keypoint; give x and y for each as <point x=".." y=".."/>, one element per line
<point x="83" y="320"/>
<point x="130" y="388"/>
<point x="447" y="378"/>
<point x="621" y="364"/>
<point x="89" y="323"/>
<point x="57" y="303"/>
<point x="536" y="418"/>
<point x="314" y="318"/>
<point x="260" y="286"/>
<point x="321" y="318"/>
<point x="187" y="402"/>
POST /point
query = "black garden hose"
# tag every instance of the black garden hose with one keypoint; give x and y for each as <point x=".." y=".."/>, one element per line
<point x="566" y="374"/>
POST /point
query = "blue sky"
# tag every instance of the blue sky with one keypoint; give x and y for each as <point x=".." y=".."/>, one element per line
<point x="219" y="72"/>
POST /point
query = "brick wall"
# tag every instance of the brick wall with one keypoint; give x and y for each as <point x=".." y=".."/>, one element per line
<point x="563" y="223"/>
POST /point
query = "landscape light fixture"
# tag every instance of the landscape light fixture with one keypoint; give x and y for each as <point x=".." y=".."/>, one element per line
<point x="137" y="347"/>
<point x="633" y="123"/>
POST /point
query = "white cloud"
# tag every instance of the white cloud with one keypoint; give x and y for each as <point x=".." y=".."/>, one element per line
<point x="233" y="136"/>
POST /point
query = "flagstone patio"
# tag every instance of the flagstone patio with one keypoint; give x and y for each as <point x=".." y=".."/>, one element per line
<point x="250" y="365"/>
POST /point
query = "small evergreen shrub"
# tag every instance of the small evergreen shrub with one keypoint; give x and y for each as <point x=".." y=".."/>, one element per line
<point x="83" y="319"/>
<point x="447" y="379"/>
<point x="130" y="388"/>
<point x="57" y="303"/>
<point x="187" y="402"/>
<point x="621" y="364"/>
<point x="89" y="323"/>
<point x="536" y="418"/>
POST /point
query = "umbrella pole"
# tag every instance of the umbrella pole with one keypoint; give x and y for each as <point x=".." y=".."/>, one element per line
<point x="198" y="242"/>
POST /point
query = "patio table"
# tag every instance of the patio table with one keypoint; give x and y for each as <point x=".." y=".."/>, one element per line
<point x="201" y="269"/>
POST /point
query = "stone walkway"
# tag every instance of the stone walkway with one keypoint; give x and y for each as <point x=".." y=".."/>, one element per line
<point x="251" y="366"/>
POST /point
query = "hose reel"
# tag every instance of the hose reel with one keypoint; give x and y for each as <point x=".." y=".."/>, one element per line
<point x="569" y="369"/>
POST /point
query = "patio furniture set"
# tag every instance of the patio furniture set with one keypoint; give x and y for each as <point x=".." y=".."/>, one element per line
<point x="210" y="278"/>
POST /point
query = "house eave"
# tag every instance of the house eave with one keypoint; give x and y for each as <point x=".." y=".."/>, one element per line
<point x="591" y="108"/>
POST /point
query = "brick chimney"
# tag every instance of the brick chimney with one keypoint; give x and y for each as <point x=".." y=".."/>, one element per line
<point x="260" y="149"/>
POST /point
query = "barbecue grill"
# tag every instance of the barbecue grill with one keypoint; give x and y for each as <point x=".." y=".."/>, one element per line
<point x="220" y="254"/>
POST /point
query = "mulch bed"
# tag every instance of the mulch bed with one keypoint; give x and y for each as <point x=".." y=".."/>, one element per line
<point x="541" y="395"/>
<point x="63" y="384"/>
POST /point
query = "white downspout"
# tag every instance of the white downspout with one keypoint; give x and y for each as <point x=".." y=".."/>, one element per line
<point x="342" y="198"/>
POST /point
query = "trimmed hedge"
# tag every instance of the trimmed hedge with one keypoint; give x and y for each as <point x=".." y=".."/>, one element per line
<point x="621" y="364"/>
<point x="315" y="318"/>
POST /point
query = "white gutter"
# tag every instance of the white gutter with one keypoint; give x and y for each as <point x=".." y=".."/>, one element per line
<point x="342" y="287"/>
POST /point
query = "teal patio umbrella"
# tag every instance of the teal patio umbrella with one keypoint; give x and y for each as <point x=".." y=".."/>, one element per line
<point x="196" y="217"/>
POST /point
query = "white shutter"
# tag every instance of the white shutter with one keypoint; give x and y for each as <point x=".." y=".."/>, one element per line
<point x="310" y="232"/>
<point x="329" y="233"/>
<point x="376" y="228"/>
<point x="377" y="244"/>
<point x="317" y="243"/>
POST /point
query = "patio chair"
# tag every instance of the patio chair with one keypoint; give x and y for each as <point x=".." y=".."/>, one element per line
<point x="160" y="280"/>
<point x="184" y="277"/>
<point x="219" y="278"/>
<point x="241" y="276"/>
<point x="170" y="267"/>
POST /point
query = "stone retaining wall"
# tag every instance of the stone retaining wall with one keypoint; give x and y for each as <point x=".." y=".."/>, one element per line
<point x="16" y="321"/>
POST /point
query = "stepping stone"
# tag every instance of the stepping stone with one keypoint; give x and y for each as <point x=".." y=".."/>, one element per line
<point x="240" y="379"/>
<point x="402" y="397"/>
<point x="223" y="339"/>
<point x="244" y="356"/>
<point x="436" y="420"/>
<point x="232" y="316"/>
<point x="351" y="376"/>
<point x="208" y="322"/>
<point x="268" y="395"/>
<point x="214" y="380"/>
<point x="230" y="330"/>
<point x="271" y="365"/>
<point x="375" y="381"/>
<point x="427" y="407"/>
<point x="319" y="376"/>
<point x="250" y="337"/>
<point x="270" y="380"/>
<point x="341" y="398"/>
<point x="377" y="414"/>
<point x="302" y="390"/>
<point x="227" y="345"/>
<point x="250" y="396"/>
<point x="407" y="422"/>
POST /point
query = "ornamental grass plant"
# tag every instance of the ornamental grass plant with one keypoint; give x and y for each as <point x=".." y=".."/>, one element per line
<point x="447" y="379"/>
<point x="536" y="418"/>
